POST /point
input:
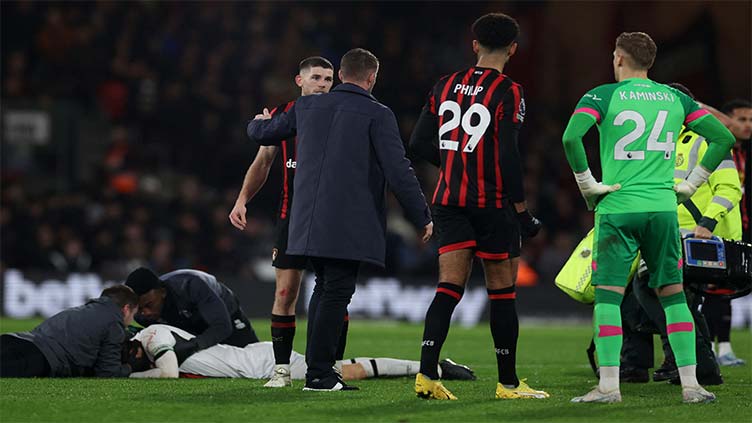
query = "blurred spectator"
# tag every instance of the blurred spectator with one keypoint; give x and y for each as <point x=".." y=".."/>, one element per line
<point x="176" y="82"/>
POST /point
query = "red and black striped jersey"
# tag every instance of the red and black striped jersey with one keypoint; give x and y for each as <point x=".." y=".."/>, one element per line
<point x="471" y="106"/>
<point x="289" y="164"/>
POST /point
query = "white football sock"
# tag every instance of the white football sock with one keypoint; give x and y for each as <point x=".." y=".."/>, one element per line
<point x="688" y="376"/>
<point x="376" y="367"/>
<point x="724" y="348"/>
<point x="609" y="378"/>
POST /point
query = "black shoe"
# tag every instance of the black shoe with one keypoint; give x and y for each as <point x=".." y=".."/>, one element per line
<point x="667" y="371"/>
<point x="453" y="371"/>
<point x="704" y="380"/>
<point x="330" y="383"/>
<point x="634" y="375"/>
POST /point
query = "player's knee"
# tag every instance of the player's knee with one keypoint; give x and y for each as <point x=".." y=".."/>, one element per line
<point x="614" y="288"/>
<point x="500" y="283"/>
<point x="665" y="291"/>
<point x="285" y="298"/>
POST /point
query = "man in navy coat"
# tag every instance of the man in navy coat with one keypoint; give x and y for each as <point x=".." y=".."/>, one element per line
<point x="349" y="149"/>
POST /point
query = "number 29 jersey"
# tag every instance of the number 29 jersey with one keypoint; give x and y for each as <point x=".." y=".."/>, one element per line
<point x="639" y="121"/>
<point x="471" y="106"/>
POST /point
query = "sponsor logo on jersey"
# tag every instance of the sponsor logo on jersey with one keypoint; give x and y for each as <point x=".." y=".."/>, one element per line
<point x="239" y="324"/>
<point x="679" y="159"/>
<point x="521" y="113"/>
<point x="291" y="164"/>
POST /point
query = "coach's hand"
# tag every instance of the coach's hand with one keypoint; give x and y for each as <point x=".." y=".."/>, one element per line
<point x="591" y="189"/>
<point x="529" y="224"/>
<point x="237" y="216"/>
<point x="263" y="116"/>
<point x="427" y="232"/>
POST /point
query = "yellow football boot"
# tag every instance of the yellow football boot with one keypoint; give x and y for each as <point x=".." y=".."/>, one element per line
<point x="427" y="389"/>
<point x="523" y="391"/>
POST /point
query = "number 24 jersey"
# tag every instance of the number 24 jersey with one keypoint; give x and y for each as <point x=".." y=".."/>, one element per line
<point x="639" y="121"/>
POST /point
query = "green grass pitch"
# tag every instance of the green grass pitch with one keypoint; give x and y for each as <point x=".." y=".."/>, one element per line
<point x="551" y="357"/>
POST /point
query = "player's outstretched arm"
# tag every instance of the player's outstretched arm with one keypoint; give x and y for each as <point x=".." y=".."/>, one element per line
<point x="591" y="189"/>
<point x="166" y="368"/>
<point x="255" y="178"/>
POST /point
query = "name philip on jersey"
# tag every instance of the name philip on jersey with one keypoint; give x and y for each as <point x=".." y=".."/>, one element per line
<point x="470" y="90"/>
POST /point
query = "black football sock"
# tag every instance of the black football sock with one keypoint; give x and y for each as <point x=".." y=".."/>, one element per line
<point x="438" y="317"/>
<point x="343" y="339"/>
<point x="505" y="329"/>
<point x="283" y="332"/>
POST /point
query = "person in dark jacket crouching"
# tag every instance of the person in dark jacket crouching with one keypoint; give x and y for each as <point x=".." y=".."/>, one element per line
<point x="81" y="341"/>
<point x="195" y="302"/>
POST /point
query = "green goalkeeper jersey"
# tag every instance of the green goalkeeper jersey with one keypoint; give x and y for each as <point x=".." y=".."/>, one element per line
<point x="639" y="121"/>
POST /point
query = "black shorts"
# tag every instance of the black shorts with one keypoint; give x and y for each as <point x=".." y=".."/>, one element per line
<point x="280" y="259"/>
<point x="493" y="233"/>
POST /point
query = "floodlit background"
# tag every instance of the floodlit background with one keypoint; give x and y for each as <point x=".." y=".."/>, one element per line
<point x="123" y="131"/>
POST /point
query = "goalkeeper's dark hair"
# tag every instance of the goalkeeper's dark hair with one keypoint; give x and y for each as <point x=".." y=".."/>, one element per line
<point x="640" y="48"/>
<point x="121" y="295"/>
<point x="736" y="104"/>
<point x="315" y="62"/>
<point x="496" y="31"/>
<point x="682" y="88"/>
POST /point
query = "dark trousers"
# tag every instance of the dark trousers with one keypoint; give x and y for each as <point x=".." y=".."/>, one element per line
<point x="642" y="315"/>
<point x="717" y="312"/>
<point x="242" y="331"/>
<point x="21" y="358"/>
<point x="335" y="286"/>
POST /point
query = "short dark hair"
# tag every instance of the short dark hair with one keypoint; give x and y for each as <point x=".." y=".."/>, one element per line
<point x="358" y="63"/>
<point x="313" y="62"/>
<point x="640" y="48"/>
<point x="736" y="104"/>
<point x="682" y="88"/>
<point x="496" y="30"/>
<point x="143" y="280"/>
<point x="121" y="295"/>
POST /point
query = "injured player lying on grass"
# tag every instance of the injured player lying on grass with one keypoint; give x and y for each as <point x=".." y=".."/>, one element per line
<point x="151" y="351"/>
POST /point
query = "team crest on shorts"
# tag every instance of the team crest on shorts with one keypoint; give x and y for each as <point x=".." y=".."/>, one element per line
<point x="679" y="159"/>
<point x="274" y="253"/>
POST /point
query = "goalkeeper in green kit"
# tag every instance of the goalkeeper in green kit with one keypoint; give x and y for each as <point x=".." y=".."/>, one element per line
<point x="636" y="205"/>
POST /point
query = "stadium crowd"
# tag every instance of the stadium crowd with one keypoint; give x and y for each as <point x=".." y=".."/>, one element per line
<point x="175" y="83"/>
